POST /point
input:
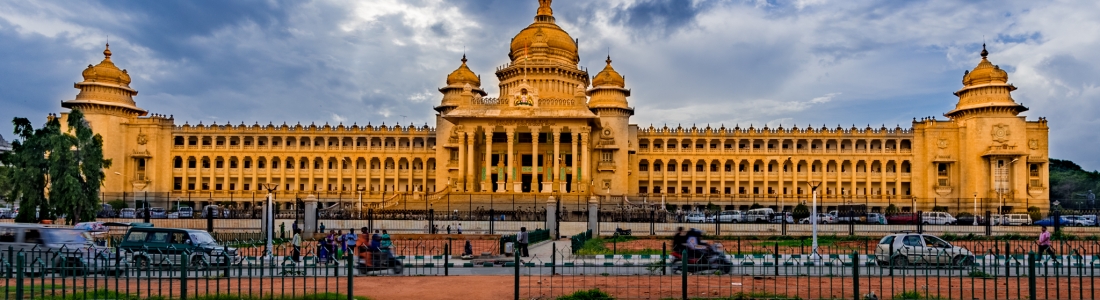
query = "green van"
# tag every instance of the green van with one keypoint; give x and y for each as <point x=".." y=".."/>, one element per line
<point x="149" y="246"/>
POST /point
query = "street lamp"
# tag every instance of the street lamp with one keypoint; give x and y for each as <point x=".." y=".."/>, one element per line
<point x="976" y="209"/>
<point x="269" y="216"/>
<point x="360" y="190"/>
<point x="813" y="219"/>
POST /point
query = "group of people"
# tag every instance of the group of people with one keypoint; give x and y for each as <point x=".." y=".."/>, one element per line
<point x="336" y="245"/>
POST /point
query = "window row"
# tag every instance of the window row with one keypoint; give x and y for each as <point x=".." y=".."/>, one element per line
<point x="415" y="142"/>
<point x="303" y="163"/>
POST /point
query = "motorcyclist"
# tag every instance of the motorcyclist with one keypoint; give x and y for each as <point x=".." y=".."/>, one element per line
<point x="679" y="240"/>
<point x="694" y="244"/>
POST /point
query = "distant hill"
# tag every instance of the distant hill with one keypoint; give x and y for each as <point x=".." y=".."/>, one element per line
<point x="1069" y="182"/>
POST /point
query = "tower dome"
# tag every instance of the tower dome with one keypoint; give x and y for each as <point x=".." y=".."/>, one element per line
<point x="985" y="90"/>
<point x="463" y="75"/>
<point x="544" y="37"/>
<point x="608" y="77"/>
<point x="106" y="72"/>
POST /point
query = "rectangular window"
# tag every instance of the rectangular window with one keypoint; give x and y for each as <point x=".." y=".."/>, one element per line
<point x="245" y="187"/>
<point x="191" y="186"/>
<point x="643" y="167"/>
<point x="605" y="156"/>
<point x="177" y="183"/>
<point x="191" y="164"/>
<point x="642" y="190"/>
<point x="698" y="190"/>
<point x="218" y="186"/>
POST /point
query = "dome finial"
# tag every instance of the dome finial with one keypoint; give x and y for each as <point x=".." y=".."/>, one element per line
<point x="464" y="58"/>
<point x="107" y="51"/>
<point x="984" y="52"/>
<point x="608" y="59"/>
<point x="544" y="8"/>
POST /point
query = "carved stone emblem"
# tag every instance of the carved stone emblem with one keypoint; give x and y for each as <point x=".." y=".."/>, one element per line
<point x="942" y="143"/>
<point x="1000" y="133"/>
<point x="1033" y="144"/>
<point x="142" y="139"/>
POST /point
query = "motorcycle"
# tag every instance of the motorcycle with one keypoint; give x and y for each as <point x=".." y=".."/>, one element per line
<point x="622" y="232"/>
<point x="380" y="261"/>
<point x="713" y="258"/>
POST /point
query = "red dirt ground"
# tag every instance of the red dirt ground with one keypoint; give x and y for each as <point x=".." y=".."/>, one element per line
<point x="621" y="287"/>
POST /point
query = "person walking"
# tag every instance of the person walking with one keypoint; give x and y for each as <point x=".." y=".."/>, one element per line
<point x="322" y="227"/>
<point x="448" y="229"/>
<point x="296" y="241"/>
<point x="1044" y="243"/>
<point x="459" y="228"/>
<point x="386" y="242"/>
<point x="522" y="240"/>
<point x="350" y="240"/>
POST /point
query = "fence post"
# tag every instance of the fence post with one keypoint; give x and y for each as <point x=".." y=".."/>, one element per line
<point x="19" y="262"/>
<point x="684" y="275"/>
<point x="855" y="275"/>
<point x="351" y="274"/>
<point x="988" y="223"/>
<point x="516" y="282"/>
<point x="492" y="218"/>
<point x="1031" y="274"/>
<point x="185" y="262"/>
<point x="652" y="220"/>
<point x="553" y="259"/>
<point x="446" y="259"/>
<point x="1008" y="259"/>
<point x="431" y="221"/>
<point x="920" y="222"/>
<point x="664" y="257"/>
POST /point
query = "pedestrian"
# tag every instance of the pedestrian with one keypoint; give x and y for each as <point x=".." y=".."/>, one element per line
<point x="1044" y="243"/>
<point x="448" y="229"/>
<point x="386" y="242"/>
<point x="522" y="240"/>
<point x="282" y="230"/>
<point x="350" y="240"/>
<point x="361" y="247"/>
<point x="459" y="228"/>
<point x="294" y="226"/>
<point x="324" y="248"/>
<point x="297" y="243"/>
<point x="322" y="227"/>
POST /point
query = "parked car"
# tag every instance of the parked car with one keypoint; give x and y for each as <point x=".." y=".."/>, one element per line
<point x="6" y="213"/>
<point x="1091" y="219"/>
<point x="1016" y="219"/>
<point x="778" y="218"/>
<point x="728" y="216"/>
<point x="148" y="246"/>
<point x="842" y="216"/>
<point x="876" y="218"/>
<point x="920" y="249"/>
<point x="695" y="218"/>
<point x="1049" y="221"/>
<point x="186" y="212"/>
<point x="158" y="213"/>
<point x="127" y="213"/>
<point x="759" y="215"/>
<point x="1080" y="221"/>
<point x="821" y="219"/>
<point x="51" y="249"/>
<point x="937" y="218"/>
<point x="969" y="220"/>
<point x="902" y="219"/>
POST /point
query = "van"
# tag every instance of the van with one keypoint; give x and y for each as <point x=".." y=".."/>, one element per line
<point x="937" y="218"/>
<point x="759" y="215"/>
<point x="48" y="249"/>
<point x="148" y="246"/>
<point x="1016" y="220"/>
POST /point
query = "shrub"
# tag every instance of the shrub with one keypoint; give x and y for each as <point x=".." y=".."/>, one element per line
<point x="755" y="206"/>
<point x="1035" y="213"/>
<point x="801" y="211"/>
<point x="892" y="210"/>
<point x="117" y="204"/>
<point x="593" y="294"/>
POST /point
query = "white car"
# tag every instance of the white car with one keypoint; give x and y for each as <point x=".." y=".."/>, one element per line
<point x="729" y="216"/>
<point x="821" y="219"/>
<point x="782" y="217"/>
<point x="1079" y="221"/>
<point x="876" y="218"/>
<point x="937" y="218"/>
<point x="695" y="218"/>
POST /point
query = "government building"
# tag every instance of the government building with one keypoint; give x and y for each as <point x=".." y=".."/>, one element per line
<point x="556" y="130"/>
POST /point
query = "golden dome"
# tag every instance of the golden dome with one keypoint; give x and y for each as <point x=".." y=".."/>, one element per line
<point x="545" y="33"/>
<point x="463" y="75"/>
<point x="107" y="72"/>
<point x="985" y="73"/>
<point x="608" y="77"/>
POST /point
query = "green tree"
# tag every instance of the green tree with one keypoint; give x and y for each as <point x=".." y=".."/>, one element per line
<point x="801" y="211"/>
<point x="70" y="165"/>
<point x="892" y="210"/>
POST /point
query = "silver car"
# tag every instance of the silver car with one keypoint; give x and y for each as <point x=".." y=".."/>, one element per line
<point x="51" y="249"/>
<point x="920" y="249"/>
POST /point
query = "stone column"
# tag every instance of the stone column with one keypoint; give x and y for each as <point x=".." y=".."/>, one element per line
<point x="485" y="183"/>
<point x="551" y="217"/>
<point x="535" y="160"/>
<point x="585" y="159"/>
<point x="573" y="160"/>
<point x="556" y="172"/>
<point x="461" y="182"/>
<point x="310" y="226"/>
<point x="593" y="215"/>
<point x="512" y="164"/>
<point x="470" y="163"/>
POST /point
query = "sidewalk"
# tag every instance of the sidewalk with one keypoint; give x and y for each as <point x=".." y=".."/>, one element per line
<point x="544" y="251"/>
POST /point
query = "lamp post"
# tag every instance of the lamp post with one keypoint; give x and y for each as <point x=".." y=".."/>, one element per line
<point x="360" y="190"/>
<point x="976" y="209"/>
<point x="269" y="217"/>
<point x="813" y="219"/>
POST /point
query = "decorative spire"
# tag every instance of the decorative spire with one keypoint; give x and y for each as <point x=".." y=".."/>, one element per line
<point x="544" y="8"/>
<point x="608" y="59"/>
<point x="107" y="51"/>
<point x="464" y="58"/>
<point x="984" y="52"/>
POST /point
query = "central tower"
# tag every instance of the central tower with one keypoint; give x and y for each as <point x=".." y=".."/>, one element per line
<point x="546" y="57"/>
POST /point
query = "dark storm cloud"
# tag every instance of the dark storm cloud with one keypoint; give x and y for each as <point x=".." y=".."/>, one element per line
<point x="703" y="61"/>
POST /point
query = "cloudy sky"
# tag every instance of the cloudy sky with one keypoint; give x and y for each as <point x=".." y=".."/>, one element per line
<point x="687" y="61"/>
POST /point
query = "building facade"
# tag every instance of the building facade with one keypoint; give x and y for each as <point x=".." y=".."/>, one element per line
<point x="556" y="130"/>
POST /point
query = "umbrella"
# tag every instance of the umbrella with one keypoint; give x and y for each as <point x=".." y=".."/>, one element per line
<point x="91" y="226"/>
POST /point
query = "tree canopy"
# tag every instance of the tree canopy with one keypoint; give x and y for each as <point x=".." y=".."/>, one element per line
<point x="1069" y="182"/>
<point x="52" y="173"/>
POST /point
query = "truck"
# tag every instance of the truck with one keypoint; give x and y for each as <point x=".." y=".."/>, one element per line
<point x="850" y="213"/>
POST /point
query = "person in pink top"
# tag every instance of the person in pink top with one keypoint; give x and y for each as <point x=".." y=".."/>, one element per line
<point x="1044" y="243"/>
